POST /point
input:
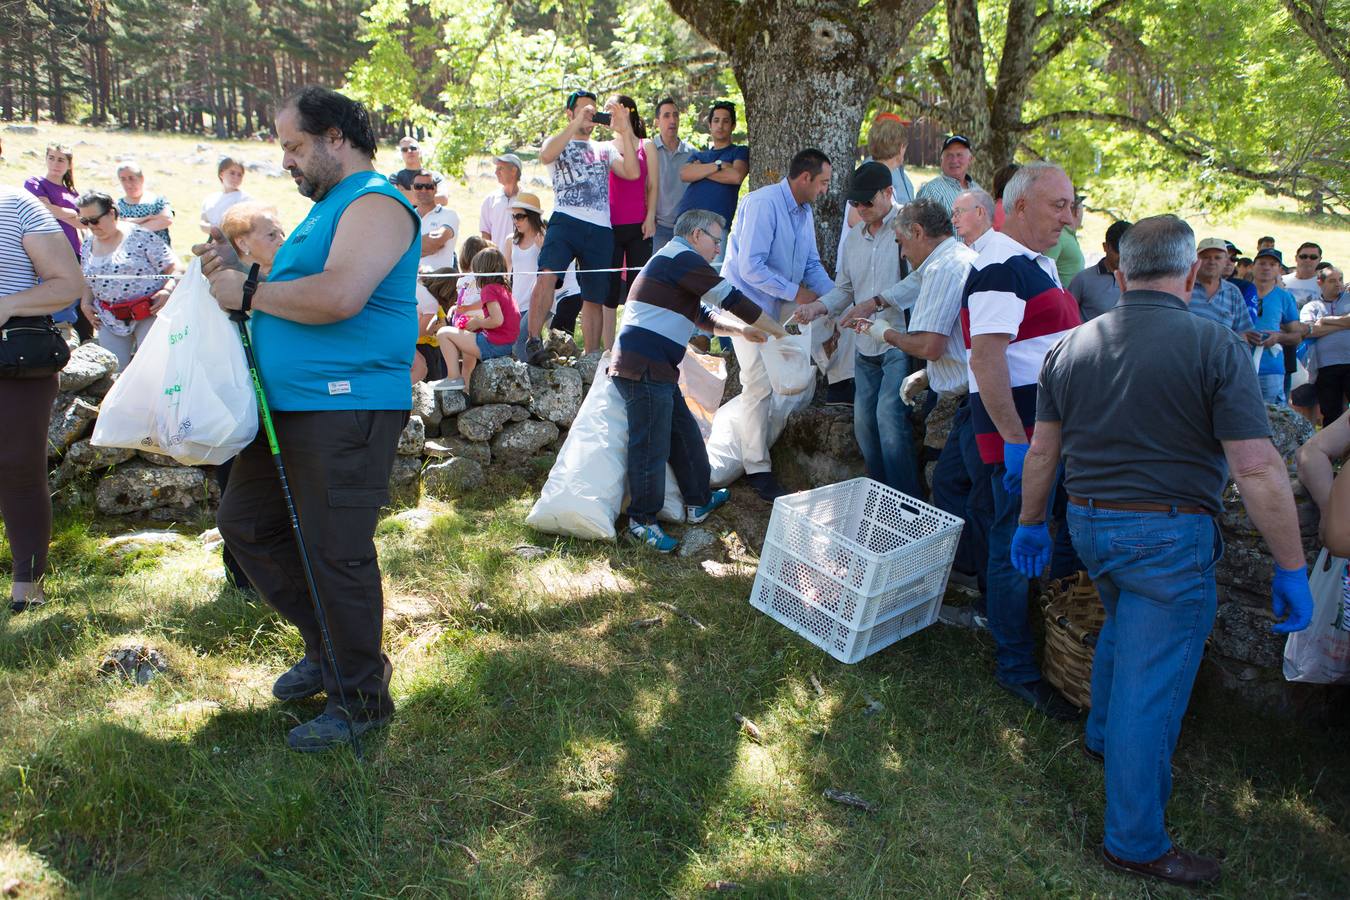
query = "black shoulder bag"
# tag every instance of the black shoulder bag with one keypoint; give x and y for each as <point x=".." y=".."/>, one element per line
<point x="32" y="347"/>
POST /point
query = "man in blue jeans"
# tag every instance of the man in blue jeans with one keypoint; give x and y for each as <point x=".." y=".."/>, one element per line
<point x="1143" y="497"/>
<point x="1014" y="310"/>
<point x="870" y="264"/>
<point x="668" y="300"/>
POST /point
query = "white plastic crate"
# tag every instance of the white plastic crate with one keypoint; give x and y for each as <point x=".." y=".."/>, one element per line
<point x="843" y="643"/>
<point x="832" y="595"/>
<point x="855" y="566"/>
<point x="867" y="535"/>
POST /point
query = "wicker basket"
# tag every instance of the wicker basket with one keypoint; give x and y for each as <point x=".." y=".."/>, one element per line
<point x="1073" y="618"/>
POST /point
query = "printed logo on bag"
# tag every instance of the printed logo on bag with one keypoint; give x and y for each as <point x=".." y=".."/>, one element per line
<point x="339" y="387"/>
<point x="173" y="389"/>
<point x="176" y="336"/>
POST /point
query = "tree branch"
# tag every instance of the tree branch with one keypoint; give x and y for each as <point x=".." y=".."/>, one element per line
<point x="1071" y="30"/>
<point x="1327" y="37"/>
<point x="716" y="20"/>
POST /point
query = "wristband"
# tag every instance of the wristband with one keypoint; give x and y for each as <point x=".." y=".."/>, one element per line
<point x="250" y="286"/>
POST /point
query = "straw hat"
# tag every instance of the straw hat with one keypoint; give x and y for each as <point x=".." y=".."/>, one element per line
<point x="527" y="201"/>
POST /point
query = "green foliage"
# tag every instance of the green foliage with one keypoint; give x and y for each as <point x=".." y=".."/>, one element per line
<point x="485" y="77"/>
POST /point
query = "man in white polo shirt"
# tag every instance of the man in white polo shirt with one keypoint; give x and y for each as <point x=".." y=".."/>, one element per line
<point x="494" y="217"/>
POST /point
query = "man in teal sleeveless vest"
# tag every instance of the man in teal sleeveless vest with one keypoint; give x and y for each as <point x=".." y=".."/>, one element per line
<point x="334" y="328"/>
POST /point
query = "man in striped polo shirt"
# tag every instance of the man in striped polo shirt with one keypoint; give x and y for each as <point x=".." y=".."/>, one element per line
<point x="671" y="296"/>
<point x="1013" y="311"/>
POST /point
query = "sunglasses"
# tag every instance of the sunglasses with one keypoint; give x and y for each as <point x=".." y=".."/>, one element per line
<point x="860" y="204"/>
<point x="1308" y="256"/>
<point x="519" y="216"/>
<point x="413" y="149"/>
<point x="424" y="187"/>
<point x="89" y="223"/>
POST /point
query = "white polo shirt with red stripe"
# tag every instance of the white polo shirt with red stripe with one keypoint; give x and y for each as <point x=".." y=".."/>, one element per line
<point x="1014" y="291"/>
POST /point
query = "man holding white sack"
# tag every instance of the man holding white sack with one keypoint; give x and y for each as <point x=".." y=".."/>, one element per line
<point x="333" y="328"/>
<point x="771" y="257"/>
<point x="869" y="264"/>
<point x="672" y="295"/>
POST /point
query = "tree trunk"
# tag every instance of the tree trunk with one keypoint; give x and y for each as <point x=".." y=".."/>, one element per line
<point x="807" y="70"/>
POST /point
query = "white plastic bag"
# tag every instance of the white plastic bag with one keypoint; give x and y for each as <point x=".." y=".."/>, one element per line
<point x="724" y="451"/>
<point x="788" y="362"/>
<point x="1320" y="654"/>
<point x="585" y="491"/>
<point x="187" y="392"/>
<point x="703" y="379"/>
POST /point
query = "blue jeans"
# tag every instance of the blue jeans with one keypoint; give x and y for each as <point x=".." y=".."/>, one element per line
<point x="661" y="430"/>
<point x="1155" y="575"/>
<point x="961" y="487"/>
<point x="1272" y="388"/>
<point x="881" y="421"/>
<point x="662" y="237"/>
<point x="1006" y="588"/>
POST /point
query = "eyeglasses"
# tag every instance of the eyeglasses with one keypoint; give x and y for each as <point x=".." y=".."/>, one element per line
<point x="424" y="187"/>
<point x="519" y="216"/>
<point x="1310" y="256"/>
<point x="861" y="204"/>
<point x="90" y="223"/>
<point x="715" y="238"/>
<point x="413" y="149"/>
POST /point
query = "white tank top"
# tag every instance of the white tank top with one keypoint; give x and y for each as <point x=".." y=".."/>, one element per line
<point x="526" y="261"/>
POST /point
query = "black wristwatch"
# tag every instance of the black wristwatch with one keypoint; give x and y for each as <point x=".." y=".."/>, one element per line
<point x="719" y="164"/>
<point x="250" y="286"/>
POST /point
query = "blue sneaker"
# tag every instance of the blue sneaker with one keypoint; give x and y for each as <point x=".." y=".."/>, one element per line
<point x="695" y="514"/>
<point x="652" y="535"/>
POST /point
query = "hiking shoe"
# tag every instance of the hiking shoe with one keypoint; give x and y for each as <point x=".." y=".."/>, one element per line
<point x="652" y="535"/>
<point x="537" y="354"/>
<point x="448" y="384"/>
<point x="326" y="731"/>
<point x="1044" y="699"/>
<point x="1176" y="866"/>
<point x="695" y="514"/>
<point x="764" y="484"/>
<point x="304" y="679"/>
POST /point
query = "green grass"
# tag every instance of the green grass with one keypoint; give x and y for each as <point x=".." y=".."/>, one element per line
<point x="543" y="747"/>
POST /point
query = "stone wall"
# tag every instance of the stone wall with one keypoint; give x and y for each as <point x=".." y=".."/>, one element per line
<point x="511" y="414"/>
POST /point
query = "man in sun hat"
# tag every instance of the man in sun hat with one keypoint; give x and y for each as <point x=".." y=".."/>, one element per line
<point x="494" y="217"/>
<point x="955" y="178"/>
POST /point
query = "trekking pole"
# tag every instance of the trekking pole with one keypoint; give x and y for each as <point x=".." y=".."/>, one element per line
<point x="240" y="319"/>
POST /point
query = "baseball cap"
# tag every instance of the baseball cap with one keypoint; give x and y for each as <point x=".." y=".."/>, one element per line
<point x="510" y="158"/>
<point x="1212" y="243"/>
<point x="956" y="139"/>
<point x="1232" y="247"/>
<point x="1272" y="253"/>
<point x="867" y="179"/>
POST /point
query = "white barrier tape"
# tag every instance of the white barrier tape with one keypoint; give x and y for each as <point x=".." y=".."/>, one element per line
<point x="420" y="276"/>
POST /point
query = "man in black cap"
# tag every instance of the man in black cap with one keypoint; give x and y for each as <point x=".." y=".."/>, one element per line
<point x="1231" y="275"/>
<point x="955" y="177"/>
<point x="869" y="264"/>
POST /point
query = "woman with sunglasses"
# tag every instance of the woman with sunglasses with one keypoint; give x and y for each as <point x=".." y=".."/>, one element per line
<point x="56" y="192"/>
<point x="122" y="265"/>
<point x="522" y="256"/>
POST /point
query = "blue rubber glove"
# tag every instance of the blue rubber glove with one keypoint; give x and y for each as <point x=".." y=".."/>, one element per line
<point x="1291" y="600"/>
<point x="1014" y="458"/>
<point x="1031" y="549"/>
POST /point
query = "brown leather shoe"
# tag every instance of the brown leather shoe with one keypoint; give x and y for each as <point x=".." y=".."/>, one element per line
<point x="1176" y="866"/>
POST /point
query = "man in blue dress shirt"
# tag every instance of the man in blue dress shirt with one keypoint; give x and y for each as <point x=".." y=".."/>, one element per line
<point x="771" y="257"/>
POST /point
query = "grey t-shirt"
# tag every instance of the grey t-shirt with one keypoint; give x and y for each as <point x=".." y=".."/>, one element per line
<point x="1096" y="291"/>
<point x="1145" y="393"/>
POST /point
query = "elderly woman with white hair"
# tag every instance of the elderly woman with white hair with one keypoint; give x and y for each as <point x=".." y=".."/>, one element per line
<point x="149" y="211"/>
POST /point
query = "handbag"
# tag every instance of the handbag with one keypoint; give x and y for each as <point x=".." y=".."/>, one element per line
<point x="132" y="310"/>
<point x="32" y="347"/>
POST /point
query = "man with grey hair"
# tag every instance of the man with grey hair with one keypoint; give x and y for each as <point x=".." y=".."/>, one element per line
<point x="1143" y="498"/>
<point x="973" y="215"/>
<point x="669" y="298"/>
<point x="1016" y="310"/>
